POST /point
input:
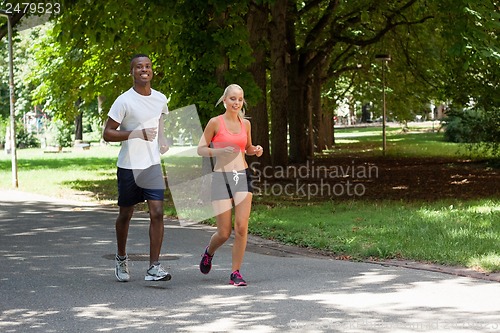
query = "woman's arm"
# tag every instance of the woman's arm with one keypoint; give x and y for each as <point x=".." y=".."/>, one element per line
<point x="250" y="148"/>
<point x="206" y="138"/>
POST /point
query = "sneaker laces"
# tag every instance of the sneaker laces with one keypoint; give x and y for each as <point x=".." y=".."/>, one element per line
<point x="161" y="270"/>
<point x="237" y="275"/>
<point x="122" y="265"/>
<point x="207" y="259"/>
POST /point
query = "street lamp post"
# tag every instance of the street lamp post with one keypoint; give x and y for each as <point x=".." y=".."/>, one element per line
<point x="384" y="58"/>
<point x="12" y="111"/>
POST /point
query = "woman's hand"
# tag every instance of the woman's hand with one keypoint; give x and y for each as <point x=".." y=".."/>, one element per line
<point x="255" y="150"/>
<point x="258" y="151"/>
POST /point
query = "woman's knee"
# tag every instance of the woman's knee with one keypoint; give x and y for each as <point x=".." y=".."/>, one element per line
<point x="224" y="234"/>
<point x="241" y="229"/>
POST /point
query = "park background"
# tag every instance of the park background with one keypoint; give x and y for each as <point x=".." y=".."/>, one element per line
<point x="316" y="75"/>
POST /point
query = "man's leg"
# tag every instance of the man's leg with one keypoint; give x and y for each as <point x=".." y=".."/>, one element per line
<point x="156" y="229"/>
<point x="121" y="226"/>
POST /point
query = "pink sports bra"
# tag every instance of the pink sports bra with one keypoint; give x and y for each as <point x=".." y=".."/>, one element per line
<point x="224" y="138"/>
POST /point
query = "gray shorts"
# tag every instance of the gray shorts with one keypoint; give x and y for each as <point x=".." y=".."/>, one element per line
<point x="225" y="184"/>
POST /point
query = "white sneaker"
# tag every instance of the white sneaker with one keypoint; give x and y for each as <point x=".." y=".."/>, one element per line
<point x="157" y="273"/>
<point x="121" y="269"/>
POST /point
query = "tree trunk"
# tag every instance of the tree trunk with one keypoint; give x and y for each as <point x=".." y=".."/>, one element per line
<point x="328" y="115"/>
<point x="328" y="130"/>
<point x="257" y="27"/>
<point x="317" y="113"/>
<point x="297" y="113"/>
<point x="311" y="128"/>
<point x="100" y="110"/>
<point x="223" y="67"/>
<point x="79" y="121"/>
<point x="79" y="126"/>
<point x="279" y="83"/>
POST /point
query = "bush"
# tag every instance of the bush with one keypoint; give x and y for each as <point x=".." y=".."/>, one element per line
<point x="462" y="126"/>
<point x="4" y="123"/>
<point x="478" y="129"/>
<point x="58" y="134"/>
<point x="25" y="139"/>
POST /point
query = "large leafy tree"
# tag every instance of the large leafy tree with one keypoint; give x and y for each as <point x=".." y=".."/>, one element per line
<point x="311" y="51"/>
<point x="87" y="53"/>
<point x="196" y="48"/>
<point x="473" y="58"/>
<point x="330" y="37"/>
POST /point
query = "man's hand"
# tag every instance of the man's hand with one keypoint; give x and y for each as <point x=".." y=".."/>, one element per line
<point x="147" y="134"/>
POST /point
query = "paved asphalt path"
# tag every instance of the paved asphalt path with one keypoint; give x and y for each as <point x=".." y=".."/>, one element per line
<point x="57" y="275"/>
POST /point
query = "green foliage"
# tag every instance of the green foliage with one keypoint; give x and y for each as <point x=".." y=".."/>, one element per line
<point x="58" y="134"/>
<point x="188" y="41"/>
<point x="441" y="51"/>
<point x="208" y="50"/>
<point x="479" y="129"/>
<point x="26" y="139"/>
<point x="24" y="64"/>
<point x="4" y="123"/>
<point x="472" y="58"/>
<point x="462" y="126"/>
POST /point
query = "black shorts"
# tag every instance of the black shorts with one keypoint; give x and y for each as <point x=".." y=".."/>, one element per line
<point x="137" y="185"/>
<point x="225" y="184"/>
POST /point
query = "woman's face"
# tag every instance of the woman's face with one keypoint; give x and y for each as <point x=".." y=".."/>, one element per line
<point x="234" y="100"/>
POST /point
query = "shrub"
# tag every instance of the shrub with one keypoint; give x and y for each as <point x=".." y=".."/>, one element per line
<point x="59" y="134"/>
<point x="461" y="126"/>
<point x="26" y="139"/>
<point x="478" y="129"/>
<point x="4" y="122"/>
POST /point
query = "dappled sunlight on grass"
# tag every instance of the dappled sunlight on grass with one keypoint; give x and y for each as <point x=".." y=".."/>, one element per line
<point x="489" y="207"/>
<point x="400" y="144"/>
<point x="344" y="141"/>
<point x="489" y="262"/>
<point x="441" y="232"/>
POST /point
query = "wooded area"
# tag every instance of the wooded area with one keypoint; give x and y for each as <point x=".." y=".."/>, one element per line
<point x="296" y="60"/>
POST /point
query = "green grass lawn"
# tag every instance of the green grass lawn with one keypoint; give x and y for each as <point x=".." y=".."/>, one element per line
<point x="414" y="143"/>
<point x="68" y="174"/>
<point x="465" y="233"/>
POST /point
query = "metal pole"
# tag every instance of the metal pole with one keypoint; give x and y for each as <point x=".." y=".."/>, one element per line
<point x="13" y="150"/>
<point x="384" y="58"/>
<point x="384" y="137"/>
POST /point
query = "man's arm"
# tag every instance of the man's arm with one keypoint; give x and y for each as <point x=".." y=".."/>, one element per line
<point x="162" y="140"/>
<point x="112" y="134"/>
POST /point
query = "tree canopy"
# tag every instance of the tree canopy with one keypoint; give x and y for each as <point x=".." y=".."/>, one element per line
<point x="295" y="59"/>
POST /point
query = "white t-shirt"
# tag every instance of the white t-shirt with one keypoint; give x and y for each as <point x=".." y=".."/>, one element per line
<point x="135" y="111"/>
